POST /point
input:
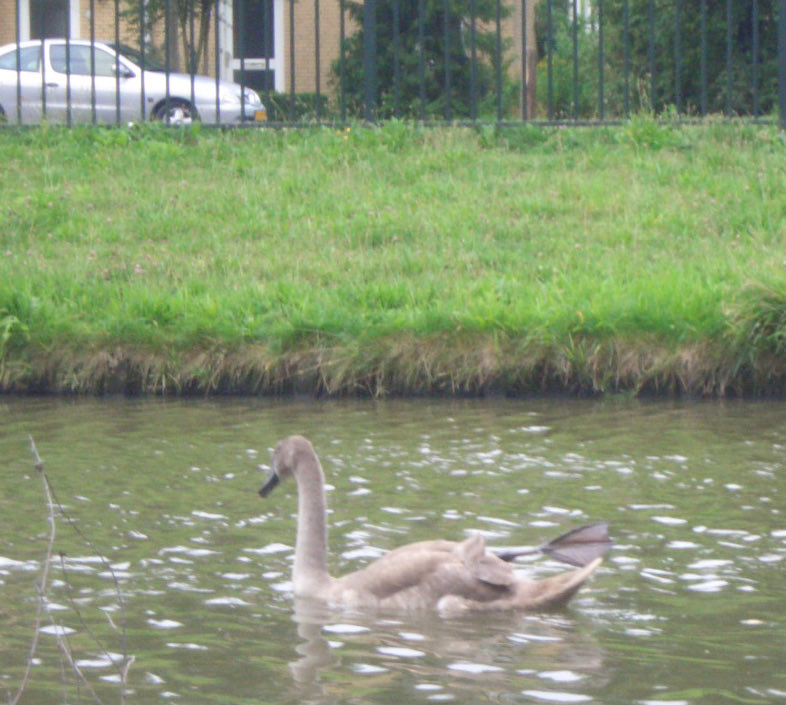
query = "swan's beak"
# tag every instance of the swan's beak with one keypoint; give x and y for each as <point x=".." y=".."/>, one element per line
<point x="267" y="488"/>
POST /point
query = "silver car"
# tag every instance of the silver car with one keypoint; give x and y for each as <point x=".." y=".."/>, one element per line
<point x="78" y="81"/>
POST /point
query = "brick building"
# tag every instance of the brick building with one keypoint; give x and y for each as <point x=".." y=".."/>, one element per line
<point x="278" y="35"/>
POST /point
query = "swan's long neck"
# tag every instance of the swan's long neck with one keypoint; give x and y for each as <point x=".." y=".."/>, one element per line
<point x="310" y="573"/>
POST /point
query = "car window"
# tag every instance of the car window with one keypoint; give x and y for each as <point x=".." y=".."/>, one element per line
<point x="80" y="59"/>
<point x="29" y="59"/>
<point x="150" y="63"/>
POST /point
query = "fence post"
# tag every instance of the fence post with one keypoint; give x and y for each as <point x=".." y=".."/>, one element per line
<point x="370" y="58"/>
<point x="782" y="62"/>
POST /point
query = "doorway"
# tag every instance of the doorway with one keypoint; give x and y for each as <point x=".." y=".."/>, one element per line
<point x="257" y="44"/>
<point x="44" y="19"/>
<point x="49" y="19"/>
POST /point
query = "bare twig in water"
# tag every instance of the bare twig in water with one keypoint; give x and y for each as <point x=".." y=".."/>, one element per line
<point x="107" y="566"/>
<point x="43" y="583"/>
<point x="121" y="665"/>
<point x="64" y="644"/>
<point x="124" y="665"/>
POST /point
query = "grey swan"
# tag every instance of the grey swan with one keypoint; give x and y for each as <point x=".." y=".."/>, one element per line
<point x="447" y="576"/>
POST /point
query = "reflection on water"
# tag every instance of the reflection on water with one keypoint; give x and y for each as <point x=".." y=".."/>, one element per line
<point x="443" y="659"/>
<point x="688" y="607"/>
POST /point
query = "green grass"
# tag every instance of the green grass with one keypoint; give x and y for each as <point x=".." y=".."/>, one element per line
<point x="646" y="257"/>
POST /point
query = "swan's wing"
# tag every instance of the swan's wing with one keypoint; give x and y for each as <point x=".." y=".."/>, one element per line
<point x="432" y="569"/>
<point x="404" y="568"/>
<point x="486" y="567"/>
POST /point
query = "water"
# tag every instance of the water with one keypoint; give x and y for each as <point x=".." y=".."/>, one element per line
<point x="688" y="607"/>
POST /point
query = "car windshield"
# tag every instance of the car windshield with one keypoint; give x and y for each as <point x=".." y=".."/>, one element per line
<point x="150" y="64"/>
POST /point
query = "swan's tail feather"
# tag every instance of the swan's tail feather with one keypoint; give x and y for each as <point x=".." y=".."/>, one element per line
<point x="555" y="591"/>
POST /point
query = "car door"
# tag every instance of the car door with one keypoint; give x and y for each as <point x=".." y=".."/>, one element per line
<point x="20" y="76"/>
<point x="59" y="86"/>
<point x="83" y="75"/>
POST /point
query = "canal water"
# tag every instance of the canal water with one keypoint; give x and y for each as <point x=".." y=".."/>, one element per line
<point x="170" y="573"/>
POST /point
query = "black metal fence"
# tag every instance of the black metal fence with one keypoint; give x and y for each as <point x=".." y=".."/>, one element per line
<point x="269" y="62"/>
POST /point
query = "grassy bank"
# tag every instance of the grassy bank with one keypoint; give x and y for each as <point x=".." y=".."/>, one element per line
<point x="647" y="258"/>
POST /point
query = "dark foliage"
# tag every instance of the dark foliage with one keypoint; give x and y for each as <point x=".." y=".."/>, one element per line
<point x="436" y="59"/>
<point x="689" y="56"/>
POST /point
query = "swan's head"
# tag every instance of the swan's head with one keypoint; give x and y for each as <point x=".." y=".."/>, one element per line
<point x="286" y="457"/>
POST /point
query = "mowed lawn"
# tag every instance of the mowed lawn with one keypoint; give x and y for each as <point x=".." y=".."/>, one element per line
<point x="394" y="259"/>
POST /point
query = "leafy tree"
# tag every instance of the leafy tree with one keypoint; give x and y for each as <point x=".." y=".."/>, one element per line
<point x="189" y="27"/>
<point x="428" y="70"/>
<point x="674" y="55"/>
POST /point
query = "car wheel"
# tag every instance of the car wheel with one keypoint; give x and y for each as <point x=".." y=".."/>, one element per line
<point x="176" y="112"/>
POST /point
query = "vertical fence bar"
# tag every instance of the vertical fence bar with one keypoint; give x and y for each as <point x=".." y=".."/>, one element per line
<point x="678" y="56"/>
<point x="421" y="56"/>
<point x="370" y="59"/>
<point x="217" y="59"/>
<point x="498" y="60"/>
<point x="626" y="58"/>
<point x="292" y="94"/>
<point x="575" y="59"/>
<point x="550" y="59"/>
<point x="782" y="62"/>
<point x="18" y="23"/>
<point x="342" y="59"/>
<point x="69" y="111"/>
<point x="703" y="59"/>
<point x="601" y="65"/>
<point x="446" y="40"/>
<point x="241" y="50"/>
<point x="317" y="67"/>
<point x="267" y="88"/>
<point x="651" y="50"/>
<point x="93" y="116"/>
<point x="473" y="73"/>
<point x="524" y="64"/>
<point x="396" y="60"/>
<point x="117" y="62"/>
<point x="43" y="60"/>
<point x="755" y="39"/>
<point x="142" y="50"/>
<point x="729" y="59"/>
<point x="167" y="53"/>
<point x="192" y="58"/>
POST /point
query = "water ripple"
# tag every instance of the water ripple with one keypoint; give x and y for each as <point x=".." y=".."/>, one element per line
<point x="554" y="696"/>
<point x="400" y="652"/>
<point x="474" y="668"/>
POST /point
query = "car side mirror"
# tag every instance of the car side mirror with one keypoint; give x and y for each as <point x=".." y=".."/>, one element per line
<point x="122" y="71"/>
